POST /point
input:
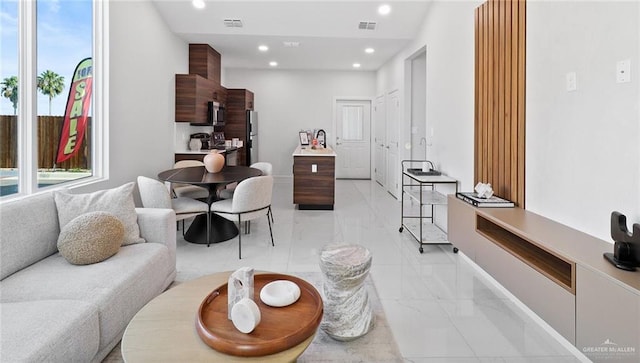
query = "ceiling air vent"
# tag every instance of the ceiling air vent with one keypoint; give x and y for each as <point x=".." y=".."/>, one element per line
<point x="233" y="23"/>
<point x="367" y="25"/>
<point x="291" y="44"/>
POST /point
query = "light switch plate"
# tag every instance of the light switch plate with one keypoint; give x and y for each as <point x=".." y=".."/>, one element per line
<point x="314" y="168"/>
<point x="623" y="71"/>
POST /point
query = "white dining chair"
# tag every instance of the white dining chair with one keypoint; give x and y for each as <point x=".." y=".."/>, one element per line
<point x="266" y="169"/>
<point x="187" y="190"/>
<point x="154" y="194"/>
<point x="251" y="200"/>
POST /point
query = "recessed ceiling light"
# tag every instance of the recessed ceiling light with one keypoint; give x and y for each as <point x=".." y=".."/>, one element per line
<point x="263" y="48"/>
<point x="369" y="50"/>
<point x="384" y="9"/>
<point x="198" y="4"/>
<point x="356" y="65"/>
<point x="273" y="64"/>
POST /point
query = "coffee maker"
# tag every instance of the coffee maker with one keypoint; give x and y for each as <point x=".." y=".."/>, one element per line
<point x="204" y="139"/>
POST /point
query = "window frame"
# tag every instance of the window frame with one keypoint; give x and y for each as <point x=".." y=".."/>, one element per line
<point x="27" y="107"/>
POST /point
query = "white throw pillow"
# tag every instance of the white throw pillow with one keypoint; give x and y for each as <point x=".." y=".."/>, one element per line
<point x="91" y="238"/>
<point x="118" y="201"/>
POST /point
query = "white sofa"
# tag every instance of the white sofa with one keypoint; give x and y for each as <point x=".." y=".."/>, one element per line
<point x="54" y="311"/>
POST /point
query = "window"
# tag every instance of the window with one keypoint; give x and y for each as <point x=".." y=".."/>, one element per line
<point x="9" y="100"/>
<point x="55" y="135"/>
<point x="352" y="123"/>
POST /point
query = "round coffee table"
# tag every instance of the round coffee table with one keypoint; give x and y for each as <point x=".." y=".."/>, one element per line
<point x="164" y="329"/>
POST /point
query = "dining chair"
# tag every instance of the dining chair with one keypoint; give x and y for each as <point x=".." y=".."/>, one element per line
<point x="266" y="169"/>
<point x="187" y="190"/>
<point x="154" y="194"/>
<point x="251" y="199"/>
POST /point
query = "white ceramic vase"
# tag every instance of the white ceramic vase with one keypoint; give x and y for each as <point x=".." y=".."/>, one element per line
<point x="213" y="161"/>
<point x="195" y="144"/>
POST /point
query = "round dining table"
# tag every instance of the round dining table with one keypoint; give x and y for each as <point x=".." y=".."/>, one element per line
<point x="209" y="228"/>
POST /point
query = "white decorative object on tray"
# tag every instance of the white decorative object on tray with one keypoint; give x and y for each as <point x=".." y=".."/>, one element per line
<point x="240" y="285"/>
<point x="245" y="315"/>
<point x="280" y="293"/>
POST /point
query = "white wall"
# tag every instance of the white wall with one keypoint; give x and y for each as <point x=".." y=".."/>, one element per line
<point x="144" y="56"/>
<point x="448" y="33"/>
<point x="418" y="108"/>
<point x="582" y="148"/>
<point x="582" y="152"/>
<point x="290" y="100"/>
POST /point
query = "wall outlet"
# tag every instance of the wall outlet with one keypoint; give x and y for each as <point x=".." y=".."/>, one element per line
<point x="623" y="71"/>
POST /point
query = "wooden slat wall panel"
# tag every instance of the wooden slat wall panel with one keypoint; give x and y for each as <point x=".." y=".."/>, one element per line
<point x="500" y="44"/>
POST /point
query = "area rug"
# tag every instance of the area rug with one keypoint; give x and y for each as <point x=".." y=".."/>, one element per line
<point x="377" y="346"/>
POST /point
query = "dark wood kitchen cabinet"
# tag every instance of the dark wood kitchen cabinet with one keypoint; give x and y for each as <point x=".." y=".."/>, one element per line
<point x="193" y="92"/>
<point x="314" y="182"/>
<point x="202" y="85"/>
<point x="204" y="61"/>
<point x="239" y="101"/>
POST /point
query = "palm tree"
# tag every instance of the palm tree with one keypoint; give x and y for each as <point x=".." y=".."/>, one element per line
<point x="10" y="91"/>
<point x="50" y="84"/>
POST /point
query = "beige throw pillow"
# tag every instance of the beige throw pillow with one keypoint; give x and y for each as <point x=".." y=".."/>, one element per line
<point x="118" y="201"/>
<point x="90" y="238"/>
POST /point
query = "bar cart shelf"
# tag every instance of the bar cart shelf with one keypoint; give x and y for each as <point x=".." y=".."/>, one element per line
<point x="419" y="188"/>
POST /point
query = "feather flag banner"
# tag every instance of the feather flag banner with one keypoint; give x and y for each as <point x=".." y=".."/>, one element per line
<point x="77" y="111"/>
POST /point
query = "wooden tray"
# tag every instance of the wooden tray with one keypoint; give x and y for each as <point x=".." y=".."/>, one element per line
<point x="279" y="329"/>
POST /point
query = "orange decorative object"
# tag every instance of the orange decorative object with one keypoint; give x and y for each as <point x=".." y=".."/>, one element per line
<point x="280" y="328"/>
<point x="213" y="161"/>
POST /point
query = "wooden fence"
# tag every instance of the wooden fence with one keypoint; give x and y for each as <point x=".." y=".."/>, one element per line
<point x="48" y="136"/>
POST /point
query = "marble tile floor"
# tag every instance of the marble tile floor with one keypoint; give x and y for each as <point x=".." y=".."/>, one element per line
<point x="440" y="306"/>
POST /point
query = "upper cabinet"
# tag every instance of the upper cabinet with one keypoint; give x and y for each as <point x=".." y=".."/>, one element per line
<point x="204" y="61"/>
<point x="240" y="99"/>
<point x="202" y="85"/>
<point x="193" y="93"/>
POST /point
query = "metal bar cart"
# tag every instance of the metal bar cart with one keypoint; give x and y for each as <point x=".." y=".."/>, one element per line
<point x="419" y="186"/>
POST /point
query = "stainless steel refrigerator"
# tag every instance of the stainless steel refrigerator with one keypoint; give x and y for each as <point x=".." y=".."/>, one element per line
<point x="252" y="137"/>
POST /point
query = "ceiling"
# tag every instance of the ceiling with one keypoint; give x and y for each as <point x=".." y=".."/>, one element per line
<point x="327" y="31"/>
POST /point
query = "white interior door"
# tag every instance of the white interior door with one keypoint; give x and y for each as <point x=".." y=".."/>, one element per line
<point x="380" y="163"/>
<point x="392" y="142"/>
<point x="353" y="139"/>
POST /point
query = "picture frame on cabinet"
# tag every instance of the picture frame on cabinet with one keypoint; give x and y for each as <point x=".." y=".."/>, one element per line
<point x="304" y="138"/>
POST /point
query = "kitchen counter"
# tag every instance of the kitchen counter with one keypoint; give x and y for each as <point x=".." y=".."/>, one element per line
<point x="231" y="154"/>
<point x="206" y="151"/>
<point x="308" y="151"/>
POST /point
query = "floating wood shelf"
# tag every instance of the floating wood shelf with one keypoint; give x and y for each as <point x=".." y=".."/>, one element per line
<point x="556" y="268"/>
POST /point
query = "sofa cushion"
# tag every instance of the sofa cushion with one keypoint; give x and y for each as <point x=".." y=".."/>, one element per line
<point x="29" y="231"/>
<point x="118" y="286"/>
<point x="90" y="238"/>
<point x="118" y="201"/>
<point x="49" y="331"/>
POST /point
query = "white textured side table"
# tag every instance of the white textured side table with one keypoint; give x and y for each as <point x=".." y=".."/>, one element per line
<point x="347" y="311"/>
